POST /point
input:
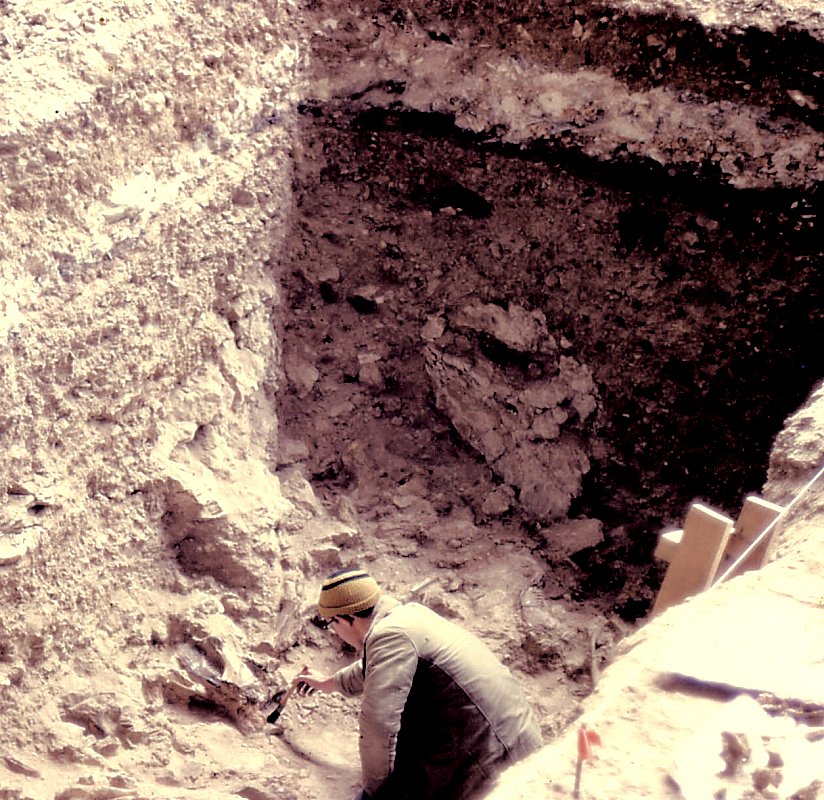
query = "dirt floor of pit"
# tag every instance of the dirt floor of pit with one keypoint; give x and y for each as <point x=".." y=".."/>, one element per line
<point x="556" y="646"/>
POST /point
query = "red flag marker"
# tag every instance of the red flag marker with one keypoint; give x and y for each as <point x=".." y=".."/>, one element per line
<point x="586" y="739"/>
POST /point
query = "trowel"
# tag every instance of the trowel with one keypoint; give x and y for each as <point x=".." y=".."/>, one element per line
<point x="281" y="698"/>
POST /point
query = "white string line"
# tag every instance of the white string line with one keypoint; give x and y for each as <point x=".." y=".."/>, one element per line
<point x="769" y="528"/>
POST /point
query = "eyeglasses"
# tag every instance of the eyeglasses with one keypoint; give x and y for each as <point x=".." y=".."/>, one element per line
<point x="323" y="622"/>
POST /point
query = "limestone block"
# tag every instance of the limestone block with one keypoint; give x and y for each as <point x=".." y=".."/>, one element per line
<point x="497" y="419"/>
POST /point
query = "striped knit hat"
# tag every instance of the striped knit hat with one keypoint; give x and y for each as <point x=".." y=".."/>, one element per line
<point x="347" y="592"/>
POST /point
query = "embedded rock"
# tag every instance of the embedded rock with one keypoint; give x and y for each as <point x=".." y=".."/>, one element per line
<point x="525" y="431"/>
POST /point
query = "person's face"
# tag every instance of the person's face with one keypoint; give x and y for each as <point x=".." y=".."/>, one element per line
<point x="346" y="631"/>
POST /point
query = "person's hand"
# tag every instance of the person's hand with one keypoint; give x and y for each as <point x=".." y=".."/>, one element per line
<point x="307" y="682"/>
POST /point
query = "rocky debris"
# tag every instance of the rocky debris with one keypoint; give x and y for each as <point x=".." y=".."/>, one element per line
<point x="231" y="535"/>
<point x="514" y="326"/>
<point x="558" y="635"/>
<point x="14" y="544"/>
<point x="103" y="718"/>
<point x="767" y="16"/>
<point x="197" y="685"/>
<point x="798" y="449"/>
<point x="689" y="47"/>
<point x="300" y="371"/>
<point x="757" y="754"/>
<point x="642" y="281"/>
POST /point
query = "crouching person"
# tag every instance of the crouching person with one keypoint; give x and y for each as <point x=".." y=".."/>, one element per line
<point x="440" y="715"/>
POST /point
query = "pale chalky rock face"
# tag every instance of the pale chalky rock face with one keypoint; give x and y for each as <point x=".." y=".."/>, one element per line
<point x="291" y="285"/>
<point x="145" y="159"/>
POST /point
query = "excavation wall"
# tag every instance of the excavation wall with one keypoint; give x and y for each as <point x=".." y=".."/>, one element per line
<point x="479" y="298"/>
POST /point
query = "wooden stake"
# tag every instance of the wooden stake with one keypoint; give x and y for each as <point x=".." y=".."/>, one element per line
<point x="756" y="515"/>
<point x="696" y="559"/>
<point x="579" y="768"/>
<point x="667" y="545"/>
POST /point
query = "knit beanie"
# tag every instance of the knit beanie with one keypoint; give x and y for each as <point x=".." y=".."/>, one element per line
<point x="347" y="592"/>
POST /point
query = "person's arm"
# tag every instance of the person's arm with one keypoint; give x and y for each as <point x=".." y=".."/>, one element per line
<point x="349" y="680"/>
<point x="391" y="662"/>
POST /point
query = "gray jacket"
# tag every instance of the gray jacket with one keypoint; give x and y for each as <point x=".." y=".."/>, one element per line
<point x="440" y="714"/>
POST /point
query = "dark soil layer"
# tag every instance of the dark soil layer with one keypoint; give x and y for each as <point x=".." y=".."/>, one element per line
<point x="697" y="309"/>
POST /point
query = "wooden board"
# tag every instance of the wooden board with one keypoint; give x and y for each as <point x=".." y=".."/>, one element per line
<point x="755" y="517"/>
<point x="667" y="545"/>
<point x="695" y="561"/>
